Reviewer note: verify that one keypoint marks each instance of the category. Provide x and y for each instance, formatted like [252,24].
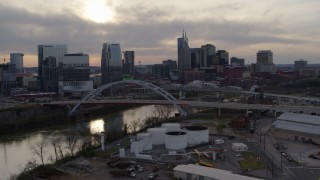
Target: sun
[98,11]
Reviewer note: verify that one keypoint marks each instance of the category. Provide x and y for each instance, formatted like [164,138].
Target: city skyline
[151,28]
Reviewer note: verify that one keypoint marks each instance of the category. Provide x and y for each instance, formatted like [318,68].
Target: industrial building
[191,171]
[171,136]
[298,127]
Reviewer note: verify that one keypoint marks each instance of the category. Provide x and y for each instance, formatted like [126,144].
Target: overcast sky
[290,28]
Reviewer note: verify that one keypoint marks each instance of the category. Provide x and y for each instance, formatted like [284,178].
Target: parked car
[284,154]
[140,169]
[239,155]
[132,174]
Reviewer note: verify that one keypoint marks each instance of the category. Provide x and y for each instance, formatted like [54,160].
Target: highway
[220,105]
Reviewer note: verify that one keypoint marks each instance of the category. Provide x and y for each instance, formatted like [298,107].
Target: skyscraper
[111,63]
[184,59]
[195,54]
[265,57]
[207,54]
[128,63]
[17,59]
[223,57]
[265,62]
[45,51]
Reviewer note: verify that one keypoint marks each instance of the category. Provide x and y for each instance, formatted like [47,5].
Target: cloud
[151,29]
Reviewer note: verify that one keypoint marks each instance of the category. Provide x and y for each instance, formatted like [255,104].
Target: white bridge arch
[147,85]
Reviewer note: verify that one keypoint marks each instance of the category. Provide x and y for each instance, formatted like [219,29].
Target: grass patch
[250,162]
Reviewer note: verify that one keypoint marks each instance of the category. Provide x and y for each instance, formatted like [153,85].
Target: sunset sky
[290,28]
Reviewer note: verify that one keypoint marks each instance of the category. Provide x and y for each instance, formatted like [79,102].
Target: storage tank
[176,140]
[122,153]
[135,147]
[197,134]
[171,126]
[146,141]
[157,135]
[140,146]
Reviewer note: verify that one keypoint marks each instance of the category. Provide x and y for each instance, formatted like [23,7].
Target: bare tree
[57,146]
[163,112]
[71,143]
[134,125]
[39,149]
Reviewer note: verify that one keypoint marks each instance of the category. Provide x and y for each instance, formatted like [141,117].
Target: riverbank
[32,117]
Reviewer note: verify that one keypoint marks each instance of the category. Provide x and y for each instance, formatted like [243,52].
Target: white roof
[238,144]
[300,118]
[298,127]
[211,172]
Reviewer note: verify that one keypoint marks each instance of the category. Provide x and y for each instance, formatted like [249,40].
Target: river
[15,150]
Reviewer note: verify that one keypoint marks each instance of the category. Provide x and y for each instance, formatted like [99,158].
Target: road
[221,105]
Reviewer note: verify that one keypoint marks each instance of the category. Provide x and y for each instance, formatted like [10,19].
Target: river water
[15,150]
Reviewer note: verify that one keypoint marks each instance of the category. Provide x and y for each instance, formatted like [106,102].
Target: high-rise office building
[265,62]
[7,77]
[223,57]
[237,62]
[111,63]
[128,63]
[17,59]
[45,51]
[195,55]
[301,64]
[265,57]
[184,59]
[50,74]
[207,54]
[74,75]
[168,66]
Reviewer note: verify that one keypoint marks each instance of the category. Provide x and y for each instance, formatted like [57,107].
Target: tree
[57,146]
[39,149]
[163,112]
[71,143]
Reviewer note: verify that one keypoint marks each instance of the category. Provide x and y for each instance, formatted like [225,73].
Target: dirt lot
[101,171]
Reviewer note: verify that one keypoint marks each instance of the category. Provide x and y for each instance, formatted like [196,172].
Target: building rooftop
[211,172]
[300,118]
[298,127]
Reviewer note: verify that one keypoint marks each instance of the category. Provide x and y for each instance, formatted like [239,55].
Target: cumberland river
[15,150]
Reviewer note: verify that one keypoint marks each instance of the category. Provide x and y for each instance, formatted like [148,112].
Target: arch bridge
[147,85]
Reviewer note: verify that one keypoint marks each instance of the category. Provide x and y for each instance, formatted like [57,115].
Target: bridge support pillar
[102,141]
[219,111]
[182,95]
[275,113]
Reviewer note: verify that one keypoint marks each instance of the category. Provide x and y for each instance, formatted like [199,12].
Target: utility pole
[139,67]
[281,161]
[264,142]
[272,167]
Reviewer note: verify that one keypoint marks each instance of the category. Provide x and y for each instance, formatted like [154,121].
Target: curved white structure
[171,126]
[147,85]
[176,140]
[197,134]
[146,141]
[157,135]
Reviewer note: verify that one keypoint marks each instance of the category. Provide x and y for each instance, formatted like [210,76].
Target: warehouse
[191,171]
[298,127]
